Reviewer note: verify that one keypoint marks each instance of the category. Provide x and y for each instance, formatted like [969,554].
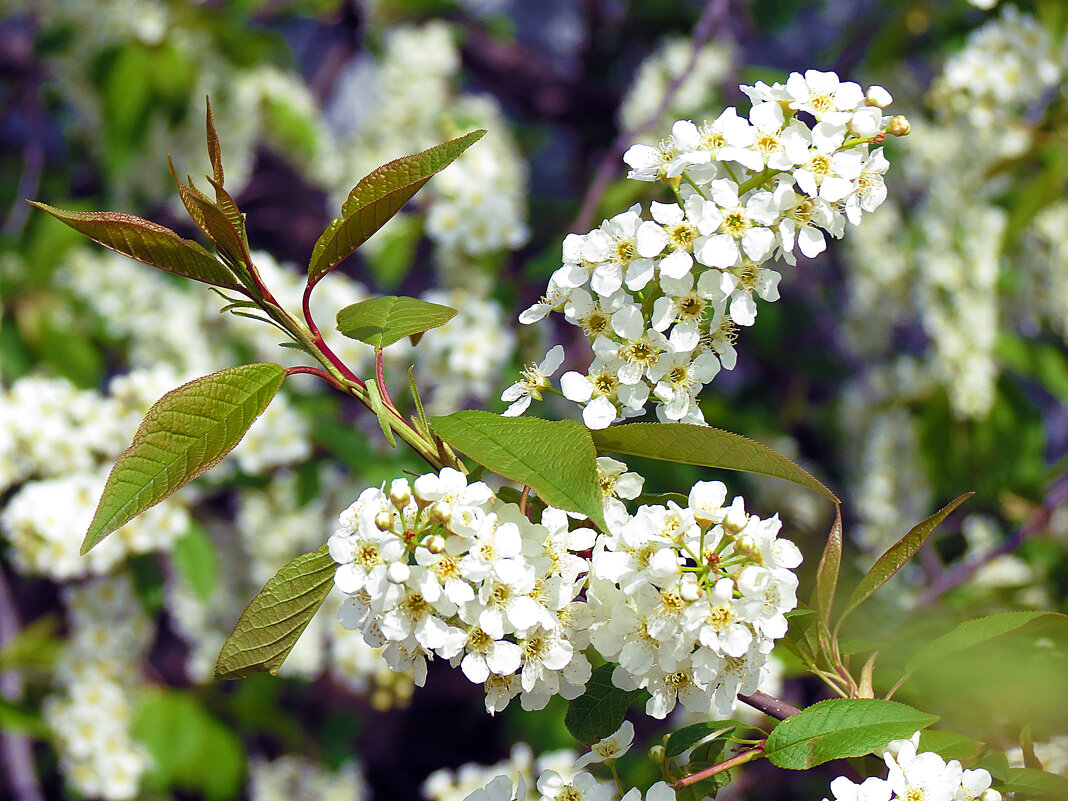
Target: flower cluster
[661,299]
[913,775]
[688,600]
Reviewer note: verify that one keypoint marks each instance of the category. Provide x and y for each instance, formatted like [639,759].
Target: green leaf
[981,630]
[554,458]
[34,649]
[197,561]
[187,432]
[995,763]
[827,574]
[385,320]
[1029,783]
[377,197]
[189,748]
[898,554]
[802,635]
[839,728]
[146,242]
[599,711]
[269,628]
[687,737]
[950,745]
[16,718]
[704,446]
[374,399]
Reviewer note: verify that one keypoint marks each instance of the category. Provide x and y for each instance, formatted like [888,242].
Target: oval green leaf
[273,622]
[898,554]
[383,321]
[554,458]
[599,711]
[1036,784]
[840,728]
[981,630]
[188,431]
[147,242]
[950,745]
[704,446]
[377,197]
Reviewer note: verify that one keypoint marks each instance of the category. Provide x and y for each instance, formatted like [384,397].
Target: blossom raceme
[687,599]
[661,299]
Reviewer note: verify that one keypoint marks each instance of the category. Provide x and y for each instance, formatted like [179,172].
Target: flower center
[736,223]
[624,251]
[767,143]
[677,681]
[642,352]
[682,236]
[479,642]
[820,166]
[821,103]
[604,382]
[691,307]
[597,322]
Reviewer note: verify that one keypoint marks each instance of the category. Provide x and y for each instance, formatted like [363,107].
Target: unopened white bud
[441,512]
[990,795]
[690,591]
[384,520]
[898,126]
[398,573]
[878,96]
[427,489]
[400,493]
[435,543]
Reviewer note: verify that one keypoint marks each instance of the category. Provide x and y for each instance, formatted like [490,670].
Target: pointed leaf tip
[185,433]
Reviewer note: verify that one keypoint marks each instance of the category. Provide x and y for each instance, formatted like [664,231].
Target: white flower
[871,789]
[500,788]
[535,379]
[824,96]
[613,746]
[581,787]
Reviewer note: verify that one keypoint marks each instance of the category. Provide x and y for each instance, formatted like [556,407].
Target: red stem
[316,371]
[733,762]
[381,379]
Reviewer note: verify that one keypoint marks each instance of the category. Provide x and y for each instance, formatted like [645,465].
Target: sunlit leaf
[981,630]
[899,554]
[271,625]
[377,197]
[382,321]
[188,431]
[704,446]
[555,458]
[147,242]
[839,728]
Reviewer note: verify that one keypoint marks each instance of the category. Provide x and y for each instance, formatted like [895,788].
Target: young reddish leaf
[701,445]
[271,624]
[383,321]
[228,207]
[827,574]
[221,230]
[898,554]
[147,242]
[377,197]
[214,148]
[187,432]
[187,193]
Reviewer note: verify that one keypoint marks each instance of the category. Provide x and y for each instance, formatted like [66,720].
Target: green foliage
[187,432]
[950,745]
[982,630]
[840,728]
[382,321]
[189,749]
[377,197]
[827,573]
[682,740]
[271,625]
[197,561]
[146,242]
[599,711]
[554,458]
[707,447]
[1031,783]
[898,555]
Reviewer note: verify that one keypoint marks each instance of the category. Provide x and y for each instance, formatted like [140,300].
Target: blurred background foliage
[925,358]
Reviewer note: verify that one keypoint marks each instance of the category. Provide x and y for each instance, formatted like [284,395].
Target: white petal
[599,413]
[651,239]
[576,387]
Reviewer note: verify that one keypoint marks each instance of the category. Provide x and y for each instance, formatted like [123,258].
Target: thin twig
[316,371]
[711,19]
[16,750]
[736,760]
[769,705]
[1056,496]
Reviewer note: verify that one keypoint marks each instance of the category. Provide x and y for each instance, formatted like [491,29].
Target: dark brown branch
[769,705]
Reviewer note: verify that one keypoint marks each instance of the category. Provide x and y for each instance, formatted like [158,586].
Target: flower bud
[440,512]
[899,125]
[435,543]
[384,520]
[398,573]
[656,755]
[400,493]
[690,591]
[878,96]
